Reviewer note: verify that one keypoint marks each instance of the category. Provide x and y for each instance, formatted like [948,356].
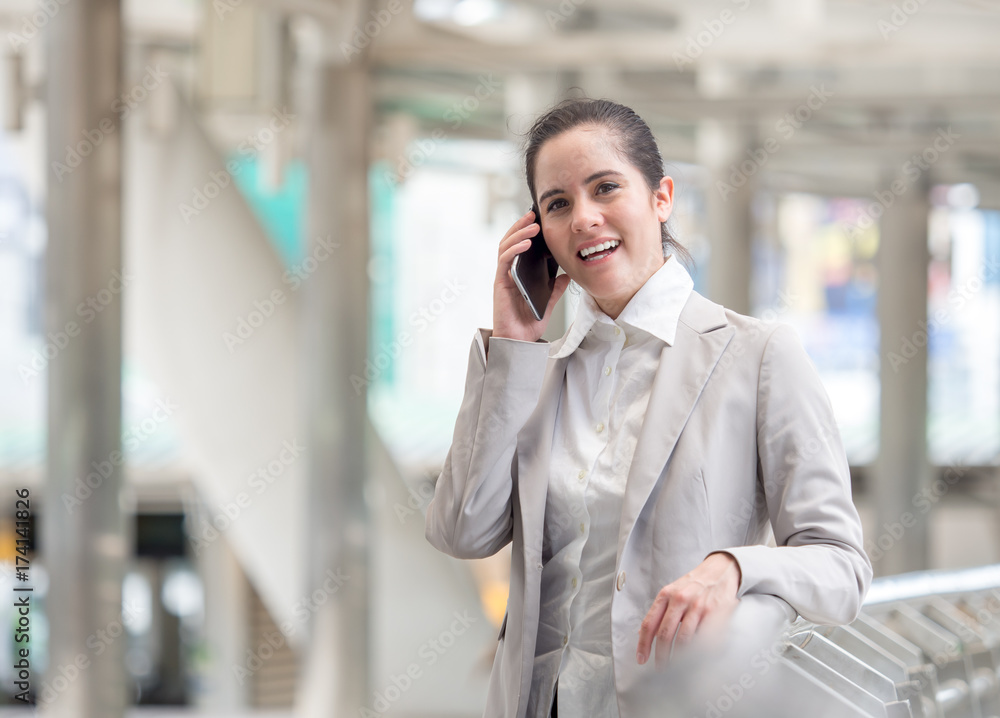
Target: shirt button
[607,371]
[565,640]
[574,583]
[581,474]
[621,580]
[617,331]
[583,527]
[600,427]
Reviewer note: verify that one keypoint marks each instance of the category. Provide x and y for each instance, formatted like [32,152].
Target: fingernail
[641,658]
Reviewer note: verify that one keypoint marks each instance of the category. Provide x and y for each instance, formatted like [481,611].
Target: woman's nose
[586,214]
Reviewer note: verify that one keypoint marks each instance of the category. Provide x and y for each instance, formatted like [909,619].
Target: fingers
[691,621]
[650,626]
[507,259]
[668,627]
[521,222]
[672,612]
[523,228]
[685,622]
[676,616]
[559,286]
[517,240]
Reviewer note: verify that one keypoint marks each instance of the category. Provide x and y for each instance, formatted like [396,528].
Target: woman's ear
[663,199]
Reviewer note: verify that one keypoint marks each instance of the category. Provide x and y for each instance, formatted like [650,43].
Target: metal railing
[926,645]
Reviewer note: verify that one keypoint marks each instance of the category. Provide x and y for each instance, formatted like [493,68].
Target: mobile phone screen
[533,271]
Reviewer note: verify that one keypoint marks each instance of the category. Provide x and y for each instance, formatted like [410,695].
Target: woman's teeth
[597,248]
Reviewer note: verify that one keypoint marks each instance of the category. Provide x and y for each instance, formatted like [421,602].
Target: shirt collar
[655,308]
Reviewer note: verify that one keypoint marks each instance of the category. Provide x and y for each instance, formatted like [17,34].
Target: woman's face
[588,195]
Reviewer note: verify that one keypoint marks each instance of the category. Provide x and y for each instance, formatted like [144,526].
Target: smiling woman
[676,433]
[592,197]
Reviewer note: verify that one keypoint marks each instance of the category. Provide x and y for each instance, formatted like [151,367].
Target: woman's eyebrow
[596,175]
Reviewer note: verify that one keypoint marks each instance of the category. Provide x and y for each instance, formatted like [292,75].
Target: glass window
[434,256]
[963,330]
[812,272]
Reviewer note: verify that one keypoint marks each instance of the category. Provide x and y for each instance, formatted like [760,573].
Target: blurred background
[245,246]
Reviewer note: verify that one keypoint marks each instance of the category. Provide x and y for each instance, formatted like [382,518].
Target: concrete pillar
[227,628]
[902,470]
[85,544]
[732,174]
[335,680]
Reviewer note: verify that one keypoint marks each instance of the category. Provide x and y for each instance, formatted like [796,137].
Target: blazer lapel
[534,449]
[702,336]
[535,440]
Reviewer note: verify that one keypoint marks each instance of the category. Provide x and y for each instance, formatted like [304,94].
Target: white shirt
[607,386]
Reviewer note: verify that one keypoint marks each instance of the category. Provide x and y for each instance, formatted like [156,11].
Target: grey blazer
[739,439]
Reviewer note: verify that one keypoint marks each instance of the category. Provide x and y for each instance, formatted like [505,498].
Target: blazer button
[621,580]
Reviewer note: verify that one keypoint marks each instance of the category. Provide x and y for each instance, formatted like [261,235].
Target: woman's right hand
[512,317]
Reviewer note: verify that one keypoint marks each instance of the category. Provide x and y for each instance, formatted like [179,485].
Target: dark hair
[635,143]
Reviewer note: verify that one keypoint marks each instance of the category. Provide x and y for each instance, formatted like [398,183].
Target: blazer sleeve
[470,514]
[819,565]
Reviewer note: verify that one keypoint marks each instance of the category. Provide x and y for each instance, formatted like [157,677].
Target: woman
[639,462]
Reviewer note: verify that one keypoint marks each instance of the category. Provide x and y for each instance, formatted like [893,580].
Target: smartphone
[533,271]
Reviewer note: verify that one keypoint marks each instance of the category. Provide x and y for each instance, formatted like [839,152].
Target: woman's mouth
[599,252]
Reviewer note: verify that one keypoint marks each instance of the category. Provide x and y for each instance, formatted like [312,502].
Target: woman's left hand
[707,592]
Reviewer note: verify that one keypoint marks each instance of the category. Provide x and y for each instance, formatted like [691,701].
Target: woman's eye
[558,203]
